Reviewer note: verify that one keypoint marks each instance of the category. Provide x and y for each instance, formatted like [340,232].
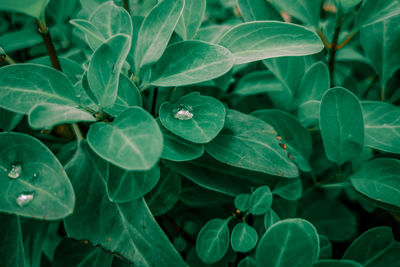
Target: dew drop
[183,112]
[35,175]
[15,170]
[24,198]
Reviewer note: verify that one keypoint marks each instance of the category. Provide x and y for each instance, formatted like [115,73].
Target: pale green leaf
[191,18]
[243,238]
[253,10]
[34,8]
[304,10]
[373,11]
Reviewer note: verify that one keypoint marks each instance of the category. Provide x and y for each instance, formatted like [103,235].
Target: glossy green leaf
[194,117]
[34,8]
[373,11]
[9,120]
[303,10]
[45,116]
[33,182]
[190,62]
[74,253]
[250,143]
[379,179]
[244,237]
[260,200]
[291,242]
[270,218]
[156,30]
[124,186]
[25,85]
[342,125]
[382,126]
[128,228]
[337,263]
[133,141]
[374,248]
[332,219]
[191,18]
[315,82]
[105,68]
[231,180]
[247,41]
[288,189]
[256,83]
[253,10]
[178,149]
[380,43]
[11,246]
[128,96]
[242,202]
[167,192]
[213,241]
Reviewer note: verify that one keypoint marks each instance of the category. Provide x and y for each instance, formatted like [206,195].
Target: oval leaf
[191,18]
[244,237]
[190,62]
[260,200]
[194,117]
[33,182]
[342,125]
[248,41]
[133,141]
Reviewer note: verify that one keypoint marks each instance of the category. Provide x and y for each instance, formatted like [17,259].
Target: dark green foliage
[200,133]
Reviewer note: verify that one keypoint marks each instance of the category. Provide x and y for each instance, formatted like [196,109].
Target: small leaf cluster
[200,133]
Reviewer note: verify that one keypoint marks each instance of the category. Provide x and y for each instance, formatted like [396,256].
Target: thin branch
[77,132]
[348,38]
[332,51]
[9,60]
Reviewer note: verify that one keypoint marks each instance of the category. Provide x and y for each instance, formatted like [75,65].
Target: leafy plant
[200,133]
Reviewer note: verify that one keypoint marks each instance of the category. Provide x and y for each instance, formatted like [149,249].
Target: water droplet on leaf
[24,198]
[15,170]
[183,112]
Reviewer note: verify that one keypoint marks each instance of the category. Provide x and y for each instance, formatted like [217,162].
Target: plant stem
[77,132]
[383,93]
[333,49]
[9,60]
[45,33]
[126,5]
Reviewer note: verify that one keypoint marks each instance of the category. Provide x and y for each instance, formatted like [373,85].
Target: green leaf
[247,41]
[124,186]
[33,182]
[315,82]
[178,149]
[166,194]
[382,126]
[11,246]
[244,237]
[257,82]
[156,30]
[9,120]
[93,35]
[308,113]
[337,263]
[250,143]
[74,253]
[242,202]
[46,116]
[133,141]
[105,68]
[213,241]
[231,180]
[194,117]
[379,179]
[253,10]
[373,11]
[291,242]
[34,8]
[332,219]
[290,189]
[344,6]
[260,200]
[127,228]
[190,62]
[380,43]
[109,20]
[191,18]
[374,248]
[128,96]
[303,10]
[270,218]
[212,33]
[325,247]
[342,125]
[25,85]
[247,262]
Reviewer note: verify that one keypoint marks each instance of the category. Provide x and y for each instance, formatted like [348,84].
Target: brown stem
[348,38]
[332,51]
[126,5]
[45,33]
